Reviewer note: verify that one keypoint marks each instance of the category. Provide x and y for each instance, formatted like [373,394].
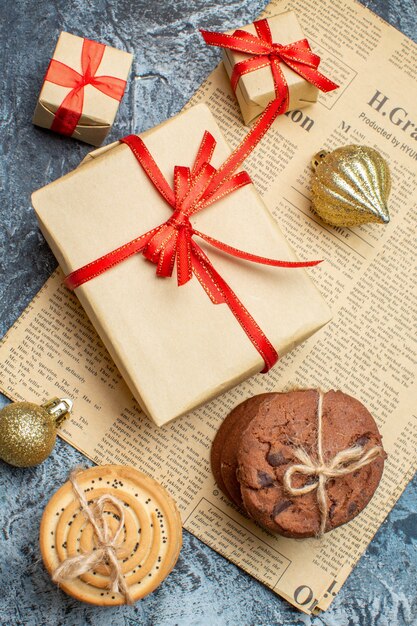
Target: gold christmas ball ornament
[28,431]
[350,186]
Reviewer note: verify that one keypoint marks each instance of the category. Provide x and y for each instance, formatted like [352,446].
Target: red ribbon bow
[298,56]
[70,110]
[194,190]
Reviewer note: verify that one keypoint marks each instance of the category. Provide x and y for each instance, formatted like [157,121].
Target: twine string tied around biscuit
[343,463]
[105,550]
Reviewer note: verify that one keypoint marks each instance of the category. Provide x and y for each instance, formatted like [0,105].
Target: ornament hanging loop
[317,158]
[58,408]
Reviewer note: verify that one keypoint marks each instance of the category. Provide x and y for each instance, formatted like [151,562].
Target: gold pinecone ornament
[28,431]
[350,186]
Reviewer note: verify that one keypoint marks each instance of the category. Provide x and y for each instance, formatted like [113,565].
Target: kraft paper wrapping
[256,89]
[175,349]
[99,110]
[52,348]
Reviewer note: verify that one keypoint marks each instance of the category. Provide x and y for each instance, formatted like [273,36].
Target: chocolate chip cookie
[226,444]
[286,423]
[266,436]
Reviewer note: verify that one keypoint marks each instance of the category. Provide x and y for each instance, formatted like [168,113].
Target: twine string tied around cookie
[343,463]
[105,551]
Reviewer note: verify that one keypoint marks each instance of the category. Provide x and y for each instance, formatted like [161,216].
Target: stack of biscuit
[260,440]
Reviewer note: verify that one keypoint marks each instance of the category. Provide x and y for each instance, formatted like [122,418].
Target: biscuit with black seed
[149,544]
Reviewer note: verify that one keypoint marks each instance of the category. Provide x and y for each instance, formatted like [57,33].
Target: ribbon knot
[276,50]
[70,110]
[106,549]
[180,220]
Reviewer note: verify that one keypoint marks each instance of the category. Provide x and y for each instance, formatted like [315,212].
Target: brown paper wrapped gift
[256,89]
[98,108]
[173,346]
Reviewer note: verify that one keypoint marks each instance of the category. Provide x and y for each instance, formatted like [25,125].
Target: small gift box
[175,349]
[82,89]
[270,59]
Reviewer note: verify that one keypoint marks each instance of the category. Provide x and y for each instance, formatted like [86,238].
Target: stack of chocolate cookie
[299,463]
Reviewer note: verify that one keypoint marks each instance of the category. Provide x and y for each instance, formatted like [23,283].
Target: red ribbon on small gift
[298,56]
[194,189]
[70,110]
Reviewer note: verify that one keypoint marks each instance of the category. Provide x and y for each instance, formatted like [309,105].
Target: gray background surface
[170,63]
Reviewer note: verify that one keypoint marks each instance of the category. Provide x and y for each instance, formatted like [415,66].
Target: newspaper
[369,350]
